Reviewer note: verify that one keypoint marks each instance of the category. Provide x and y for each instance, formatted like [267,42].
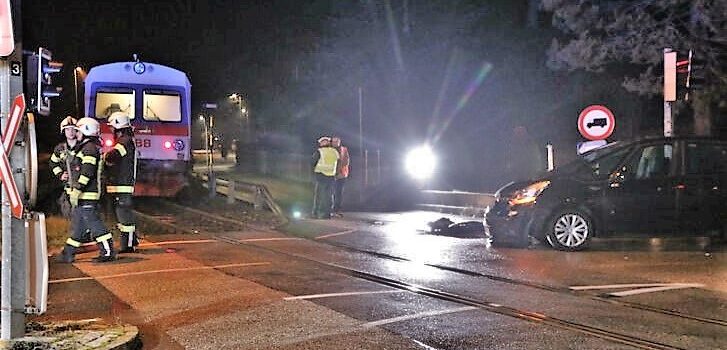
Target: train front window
[162,106]
[108,102]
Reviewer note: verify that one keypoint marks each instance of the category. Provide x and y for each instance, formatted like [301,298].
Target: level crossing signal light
[683,73]
[39,80]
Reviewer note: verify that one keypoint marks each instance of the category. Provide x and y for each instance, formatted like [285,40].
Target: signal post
[13,284]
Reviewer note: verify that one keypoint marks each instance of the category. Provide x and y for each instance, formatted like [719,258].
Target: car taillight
[167,144]
[109,142]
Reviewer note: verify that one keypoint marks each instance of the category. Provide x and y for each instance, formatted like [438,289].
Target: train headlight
[178,145]
[139,68]
[167,144]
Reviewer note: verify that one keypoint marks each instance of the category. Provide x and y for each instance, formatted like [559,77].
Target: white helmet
[68,122]
[119,120]
[88,126]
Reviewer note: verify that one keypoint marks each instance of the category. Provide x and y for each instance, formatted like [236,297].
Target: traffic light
[40,68]
[682,76]
[697,72]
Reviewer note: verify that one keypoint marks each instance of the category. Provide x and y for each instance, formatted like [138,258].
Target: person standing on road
[325,160]
[60,161]
[342,171]
[85,175]
[120,164]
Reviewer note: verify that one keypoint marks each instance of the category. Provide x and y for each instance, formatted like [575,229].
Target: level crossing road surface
[380,281]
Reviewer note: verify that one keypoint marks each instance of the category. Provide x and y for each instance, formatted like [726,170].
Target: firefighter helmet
[119,120]
[88,126]
[68,122]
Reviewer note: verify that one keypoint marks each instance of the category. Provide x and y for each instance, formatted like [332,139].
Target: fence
[256,194]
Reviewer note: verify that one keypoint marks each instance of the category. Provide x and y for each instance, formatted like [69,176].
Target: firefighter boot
[67,255]
[106,249]
[128,242]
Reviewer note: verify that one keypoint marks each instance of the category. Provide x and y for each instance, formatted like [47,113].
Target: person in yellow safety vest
[120,164]
[325,160]
[342,171]
[85,176]
[60,160]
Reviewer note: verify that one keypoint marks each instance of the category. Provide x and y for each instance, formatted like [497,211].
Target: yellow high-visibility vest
[327,162]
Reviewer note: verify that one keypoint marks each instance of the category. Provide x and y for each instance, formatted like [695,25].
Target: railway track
[195,221]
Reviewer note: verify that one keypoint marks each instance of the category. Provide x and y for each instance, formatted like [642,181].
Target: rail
[457,202]
[256,194]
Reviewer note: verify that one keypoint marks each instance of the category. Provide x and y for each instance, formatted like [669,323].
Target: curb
[83,334]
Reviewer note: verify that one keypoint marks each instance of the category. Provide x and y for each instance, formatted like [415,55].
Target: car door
[702,195]
[642,193]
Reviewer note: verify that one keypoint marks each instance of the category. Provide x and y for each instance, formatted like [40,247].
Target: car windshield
[596,153]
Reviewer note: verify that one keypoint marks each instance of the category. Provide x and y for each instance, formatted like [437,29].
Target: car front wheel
[570,230]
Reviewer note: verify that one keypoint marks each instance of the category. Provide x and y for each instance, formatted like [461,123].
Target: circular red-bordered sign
[596,122]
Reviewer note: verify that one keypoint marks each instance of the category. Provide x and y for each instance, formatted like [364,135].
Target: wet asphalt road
[363,282]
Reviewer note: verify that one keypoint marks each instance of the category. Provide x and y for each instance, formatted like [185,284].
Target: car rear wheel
[570,230]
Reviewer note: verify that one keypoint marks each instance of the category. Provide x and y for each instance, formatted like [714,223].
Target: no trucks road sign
[596,122]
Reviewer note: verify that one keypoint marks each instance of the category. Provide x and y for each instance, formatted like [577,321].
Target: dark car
[650,186]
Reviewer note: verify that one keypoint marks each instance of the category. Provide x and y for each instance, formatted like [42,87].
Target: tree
[629,37]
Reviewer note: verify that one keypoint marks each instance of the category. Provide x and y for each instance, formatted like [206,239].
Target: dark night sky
[300,63]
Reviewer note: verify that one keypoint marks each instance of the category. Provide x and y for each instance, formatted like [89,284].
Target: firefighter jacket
[121,165]
[344,163]
[326,161]
[61,158]
[86,169]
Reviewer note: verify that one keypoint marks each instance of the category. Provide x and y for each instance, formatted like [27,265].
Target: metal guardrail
[256,194]
[457,202]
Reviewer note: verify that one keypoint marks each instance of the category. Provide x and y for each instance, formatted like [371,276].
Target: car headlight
[528,194]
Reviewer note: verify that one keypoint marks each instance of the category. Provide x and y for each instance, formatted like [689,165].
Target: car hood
[577,169]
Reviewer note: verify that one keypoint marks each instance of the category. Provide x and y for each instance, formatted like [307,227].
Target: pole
[75,90]
[551,162]
[13,276]
[360,138]
[668,123]
[670,89]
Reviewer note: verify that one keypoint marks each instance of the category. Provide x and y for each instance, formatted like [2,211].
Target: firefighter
[342,172]
[325,160]
[121,174]
[60,161]
[85,175]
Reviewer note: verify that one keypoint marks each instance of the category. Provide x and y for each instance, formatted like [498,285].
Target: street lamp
[240,102]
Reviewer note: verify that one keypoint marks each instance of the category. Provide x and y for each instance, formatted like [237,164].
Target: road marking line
[178,242]
[335,234]
[641,288]
[269,239]
[655,289]
[634,285]
[415,316]
[183,269]
[332,295]
[425,346]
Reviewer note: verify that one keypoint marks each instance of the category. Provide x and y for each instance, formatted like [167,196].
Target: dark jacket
[86,169]
[121,165]
[58,158]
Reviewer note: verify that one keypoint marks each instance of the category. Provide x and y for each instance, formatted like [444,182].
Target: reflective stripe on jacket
[121,165]
[327,161]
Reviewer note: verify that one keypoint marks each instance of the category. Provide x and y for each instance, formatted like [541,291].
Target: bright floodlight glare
[297,214]
[420,162]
